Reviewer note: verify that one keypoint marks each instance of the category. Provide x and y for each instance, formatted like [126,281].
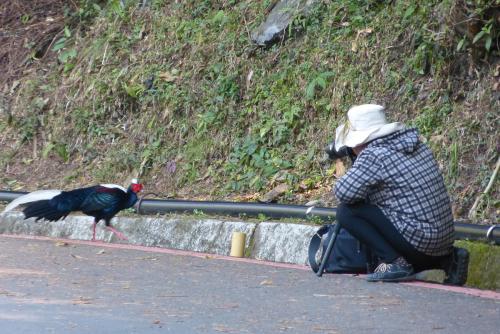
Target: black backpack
[348,255]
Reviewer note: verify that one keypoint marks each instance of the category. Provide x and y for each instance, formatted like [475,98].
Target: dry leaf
[167,76]
[366,31]
[497,71]
[438,139]
[228,306]
[249,197]
[325,329]
[166,113]
[148,258]
[354,46]
[224,329]
[61,244]
[249,79]
[266,282]
[362,33]
[15,84]
[82,300]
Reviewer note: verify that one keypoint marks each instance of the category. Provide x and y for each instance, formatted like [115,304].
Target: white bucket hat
[365,123]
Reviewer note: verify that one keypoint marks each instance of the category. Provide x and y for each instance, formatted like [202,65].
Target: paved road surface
[54,287]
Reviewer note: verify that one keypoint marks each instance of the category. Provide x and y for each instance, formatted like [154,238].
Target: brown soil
[28,29]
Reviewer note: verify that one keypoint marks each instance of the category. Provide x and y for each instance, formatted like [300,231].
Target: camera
[333,154]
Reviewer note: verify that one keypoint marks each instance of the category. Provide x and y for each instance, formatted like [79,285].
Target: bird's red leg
[118,234]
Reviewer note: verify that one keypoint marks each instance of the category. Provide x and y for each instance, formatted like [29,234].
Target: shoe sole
[394,280]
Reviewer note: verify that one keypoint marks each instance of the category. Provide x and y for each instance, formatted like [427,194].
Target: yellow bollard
[238,244]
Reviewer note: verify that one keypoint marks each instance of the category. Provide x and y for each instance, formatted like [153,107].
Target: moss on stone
[484,265]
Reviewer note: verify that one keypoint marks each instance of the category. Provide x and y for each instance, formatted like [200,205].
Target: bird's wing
[103,198]
[32,197]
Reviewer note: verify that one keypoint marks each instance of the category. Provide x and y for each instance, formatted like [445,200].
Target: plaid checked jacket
[399,174]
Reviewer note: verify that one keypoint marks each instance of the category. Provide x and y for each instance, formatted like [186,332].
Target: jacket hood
[405,141]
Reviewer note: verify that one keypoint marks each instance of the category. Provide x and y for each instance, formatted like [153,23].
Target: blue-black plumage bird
[103,201]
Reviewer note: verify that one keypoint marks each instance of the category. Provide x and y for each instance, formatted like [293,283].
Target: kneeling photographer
[393,198]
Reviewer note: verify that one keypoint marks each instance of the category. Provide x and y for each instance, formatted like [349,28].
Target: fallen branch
[472,212]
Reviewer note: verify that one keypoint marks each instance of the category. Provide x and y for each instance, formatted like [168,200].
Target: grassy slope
[224,118]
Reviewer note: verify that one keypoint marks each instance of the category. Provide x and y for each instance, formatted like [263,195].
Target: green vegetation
[484,266]
[130,92]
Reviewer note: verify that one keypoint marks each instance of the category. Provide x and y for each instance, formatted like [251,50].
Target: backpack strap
[314,245]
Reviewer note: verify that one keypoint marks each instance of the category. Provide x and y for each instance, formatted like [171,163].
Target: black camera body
[333,154]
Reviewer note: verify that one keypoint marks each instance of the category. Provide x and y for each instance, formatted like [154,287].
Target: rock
[279,18]
[282,242]
[316,202]
[272,195]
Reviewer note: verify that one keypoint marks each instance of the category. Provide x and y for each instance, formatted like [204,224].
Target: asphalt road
[57,287]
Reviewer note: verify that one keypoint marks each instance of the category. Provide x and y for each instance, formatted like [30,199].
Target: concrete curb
[277,242]
[285,243]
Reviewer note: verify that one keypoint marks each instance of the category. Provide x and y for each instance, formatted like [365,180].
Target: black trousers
[368,224]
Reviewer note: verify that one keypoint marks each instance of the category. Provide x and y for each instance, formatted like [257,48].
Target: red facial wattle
[137,187]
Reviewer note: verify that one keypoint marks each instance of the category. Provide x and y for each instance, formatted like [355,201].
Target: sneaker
[397,271]
[457,267]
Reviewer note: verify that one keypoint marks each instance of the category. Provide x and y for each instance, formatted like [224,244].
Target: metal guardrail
[272,210]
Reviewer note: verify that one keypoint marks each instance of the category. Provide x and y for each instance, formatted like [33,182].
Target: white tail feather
[32,197]
[109,185]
